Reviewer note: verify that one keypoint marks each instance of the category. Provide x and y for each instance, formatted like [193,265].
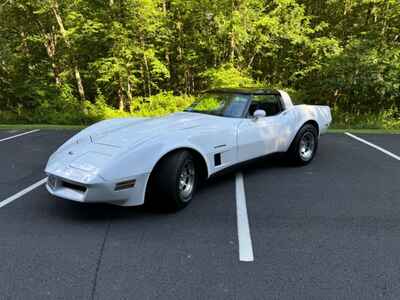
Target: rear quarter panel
[320,114]
[301,114]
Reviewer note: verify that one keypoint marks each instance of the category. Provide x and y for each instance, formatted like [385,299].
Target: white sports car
[125,161]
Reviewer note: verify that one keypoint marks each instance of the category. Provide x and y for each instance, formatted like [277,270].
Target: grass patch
[79,127]
[40,126]
[366,131]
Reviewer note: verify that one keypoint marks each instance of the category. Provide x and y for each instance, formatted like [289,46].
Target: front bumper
[104,191]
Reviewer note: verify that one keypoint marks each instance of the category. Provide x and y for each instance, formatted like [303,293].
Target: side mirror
[259,113]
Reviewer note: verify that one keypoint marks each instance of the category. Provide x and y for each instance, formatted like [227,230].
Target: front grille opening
[73,186]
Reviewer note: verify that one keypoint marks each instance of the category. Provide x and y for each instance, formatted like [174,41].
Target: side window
[270,103]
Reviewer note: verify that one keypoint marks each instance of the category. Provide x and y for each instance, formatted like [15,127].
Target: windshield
[220,104]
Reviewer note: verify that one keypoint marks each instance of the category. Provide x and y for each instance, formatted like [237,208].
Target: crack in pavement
[99,260]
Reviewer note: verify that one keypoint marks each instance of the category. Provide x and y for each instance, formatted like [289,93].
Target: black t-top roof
[247,91]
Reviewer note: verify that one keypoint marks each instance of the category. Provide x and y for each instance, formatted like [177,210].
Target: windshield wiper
[196,111]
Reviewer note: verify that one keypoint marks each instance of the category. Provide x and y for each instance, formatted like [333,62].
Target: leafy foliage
[75,61]
[227,76]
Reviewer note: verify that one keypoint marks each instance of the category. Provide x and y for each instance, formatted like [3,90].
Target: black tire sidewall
[294,152]
[164,186]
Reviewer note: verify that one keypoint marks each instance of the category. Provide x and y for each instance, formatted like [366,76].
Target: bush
[360,80]
[389,119]
[67,110]
[160,104]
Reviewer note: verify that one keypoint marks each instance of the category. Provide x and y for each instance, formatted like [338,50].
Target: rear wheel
[304,145]
[174,181]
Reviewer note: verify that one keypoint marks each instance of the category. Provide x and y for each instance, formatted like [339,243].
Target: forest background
[80,61]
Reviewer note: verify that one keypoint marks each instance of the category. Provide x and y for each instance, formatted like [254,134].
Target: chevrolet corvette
[162,160]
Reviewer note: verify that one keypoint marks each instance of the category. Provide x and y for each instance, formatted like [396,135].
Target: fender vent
[217,159]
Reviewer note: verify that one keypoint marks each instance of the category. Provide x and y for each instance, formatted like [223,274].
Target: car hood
[138,131]
[91,153]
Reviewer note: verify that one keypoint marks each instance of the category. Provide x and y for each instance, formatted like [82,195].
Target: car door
[265,135]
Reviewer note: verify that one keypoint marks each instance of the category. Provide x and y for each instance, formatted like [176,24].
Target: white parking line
[373,146]
[245,245]
[18,135]
[23,192]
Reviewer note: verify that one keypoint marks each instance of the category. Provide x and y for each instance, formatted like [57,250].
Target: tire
[304,146]
[174,182]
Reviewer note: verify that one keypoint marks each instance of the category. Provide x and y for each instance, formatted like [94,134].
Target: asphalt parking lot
[330,230]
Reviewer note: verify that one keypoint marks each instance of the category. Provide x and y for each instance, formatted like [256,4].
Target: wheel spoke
[187,179]
[306,146]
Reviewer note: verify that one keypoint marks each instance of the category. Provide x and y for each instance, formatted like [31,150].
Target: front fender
[142,160]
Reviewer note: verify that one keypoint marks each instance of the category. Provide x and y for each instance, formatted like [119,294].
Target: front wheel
[174,181]
[304,145]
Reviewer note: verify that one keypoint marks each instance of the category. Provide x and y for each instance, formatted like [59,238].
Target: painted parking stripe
[23,192]
[18,135]
[373,146]
[244,237]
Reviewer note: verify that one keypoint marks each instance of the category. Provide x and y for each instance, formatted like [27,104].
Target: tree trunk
[120,94]
[130,98]
[148,78]
[146,66]
[24,43]
[232,48]
[143,79]
[79,82]
[232,43]
[50,45]
[57,15]
[167,58]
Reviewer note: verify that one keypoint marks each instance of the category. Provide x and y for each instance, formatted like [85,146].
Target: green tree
[90,59]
